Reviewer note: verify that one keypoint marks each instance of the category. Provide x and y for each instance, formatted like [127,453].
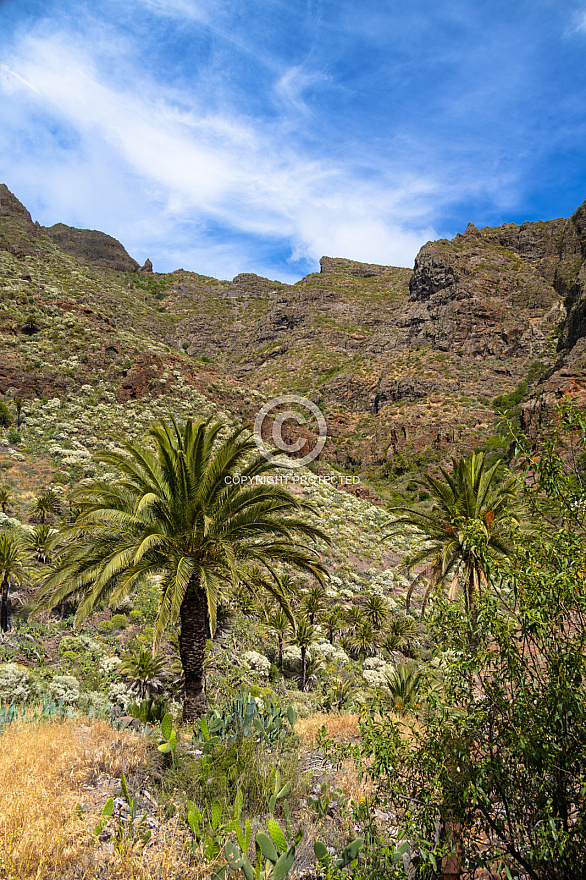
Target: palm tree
[279,623]
[404,683]
[5,497]
[377,611]
[363,639]
[313,602]
[46,503]
[13,568]
[402,632]
[192,512]
[305,636]
[471,521]
[143,668]
[41,543]
[333,621]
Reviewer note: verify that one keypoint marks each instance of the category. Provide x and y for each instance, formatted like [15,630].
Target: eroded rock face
[92,246]
[18,233]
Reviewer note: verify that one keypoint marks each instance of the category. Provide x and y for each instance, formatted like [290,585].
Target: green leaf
[277,835]
[125,791]
[320,850]
[167,726]
[349,853]
[173,740]
[247,834]
[267,847]
[284,864]
[216,814]
[108,808]
[238,803]
[285,790]
[291,715]
[233,857]
[203,726]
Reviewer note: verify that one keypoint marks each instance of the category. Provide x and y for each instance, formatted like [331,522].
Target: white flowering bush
[16,683]
[257,663]
[375,671]
[65,688]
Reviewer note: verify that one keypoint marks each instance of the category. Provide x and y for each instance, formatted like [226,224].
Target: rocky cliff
[405,364]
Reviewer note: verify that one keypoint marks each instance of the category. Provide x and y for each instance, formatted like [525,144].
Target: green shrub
[119,621]
[135,615]
[5,417]
[106,626]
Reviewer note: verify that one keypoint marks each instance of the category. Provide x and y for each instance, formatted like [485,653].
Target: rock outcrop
[91,246]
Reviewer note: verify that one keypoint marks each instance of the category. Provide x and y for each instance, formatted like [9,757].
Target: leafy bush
[64,688]
[119,621]
[5,417]
[15,683]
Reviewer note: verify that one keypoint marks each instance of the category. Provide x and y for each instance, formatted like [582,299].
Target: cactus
[273,848]
[346,857]
[168,739]
[125,833]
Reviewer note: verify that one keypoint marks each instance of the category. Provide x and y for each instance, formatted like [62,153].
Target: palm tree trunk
[4,608]
[192,645]
[303,666]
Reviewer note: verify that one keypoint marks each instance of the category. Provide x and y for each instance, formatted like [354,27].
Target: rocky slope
[405,365]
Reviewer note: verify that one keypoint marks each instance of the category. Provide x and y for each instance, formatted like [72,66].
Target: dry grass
[341,728]
[42,770]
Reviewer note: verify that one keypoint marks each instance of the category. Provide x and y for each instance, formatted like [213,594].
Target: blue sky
[229,136]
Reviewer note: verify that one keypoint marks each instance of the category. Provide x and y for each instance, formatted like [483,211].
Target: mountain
[404,364]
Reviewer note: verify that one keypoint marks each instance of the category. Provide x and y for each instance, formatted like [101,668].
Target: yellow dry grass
[341,728]
[43,767]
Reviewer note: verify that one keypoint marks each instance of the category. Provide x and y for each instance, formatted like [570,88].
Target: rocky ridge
[404,364]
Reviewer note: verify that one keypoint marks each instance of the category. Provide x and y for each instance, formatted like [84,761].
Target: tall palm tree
[13,568]
[192,512]
[471,521]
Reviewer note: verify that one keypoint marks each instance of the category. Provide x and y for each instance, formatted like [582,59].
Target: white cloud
[158,162]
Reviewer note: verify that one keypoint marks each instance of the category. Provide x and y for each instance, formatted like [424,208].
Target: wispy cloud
[263,135]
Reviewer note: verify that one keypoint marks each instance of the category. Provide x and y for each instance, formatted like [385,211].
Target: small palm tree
[353,616]
[363,639]
[401,634]
[47,503]
[143,668]
[471,521]
[278,623]
[13,568]
[305,635]
[333,622]
[41,543]
[313,602]
[5,497]
[192,512]
[377,611]
[404,685]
